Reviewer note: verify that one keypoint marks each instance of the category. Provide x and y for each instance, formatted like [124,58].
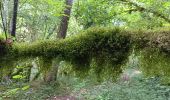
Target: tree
[65,20]
[14,19]
[4,15]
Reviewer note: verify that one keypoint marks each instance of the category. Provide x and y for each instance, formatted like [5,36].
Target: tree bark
[14,19]
[65,20]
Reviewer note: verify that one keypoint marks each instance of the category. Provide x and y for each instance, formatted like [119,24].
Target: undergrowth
[138,89]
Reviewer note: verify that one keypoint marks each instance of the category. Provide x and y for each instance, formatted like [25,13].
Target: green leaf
[167,4]
[13,91]
[17,77]
[26,87]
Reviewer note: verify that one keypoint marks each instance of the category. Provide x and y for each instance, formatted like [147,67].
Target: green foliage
[122,13]
[38,20]
[13,91]
[18,78]
[144,89]
[93,13]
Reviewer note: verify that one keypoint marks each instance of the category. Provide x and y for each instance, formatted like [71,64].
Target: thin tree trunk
[5,13]
[3,25]
[65,20]
[3,9]
[14,19]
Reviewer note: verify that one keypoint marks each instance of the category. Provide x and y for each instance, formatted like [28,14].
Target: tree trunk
[14,19]
[65,20]
[52,74]
[4,15]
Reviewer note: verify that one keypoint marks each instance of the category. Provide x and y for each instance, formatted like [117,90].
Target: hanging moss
[155,63]
[45,63]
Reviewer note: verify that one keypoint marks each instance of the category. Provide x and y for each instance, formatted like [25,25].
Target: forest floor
[130,86]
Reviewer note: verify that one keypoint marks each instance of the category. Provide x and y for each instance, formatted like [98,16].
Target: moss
[108,47]
[83,46]
[45,64]
[155,63]
[159,39]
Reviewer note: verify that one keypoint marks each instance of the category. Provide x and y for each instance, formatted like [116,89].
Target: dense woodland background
[41,19]
[84,49]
